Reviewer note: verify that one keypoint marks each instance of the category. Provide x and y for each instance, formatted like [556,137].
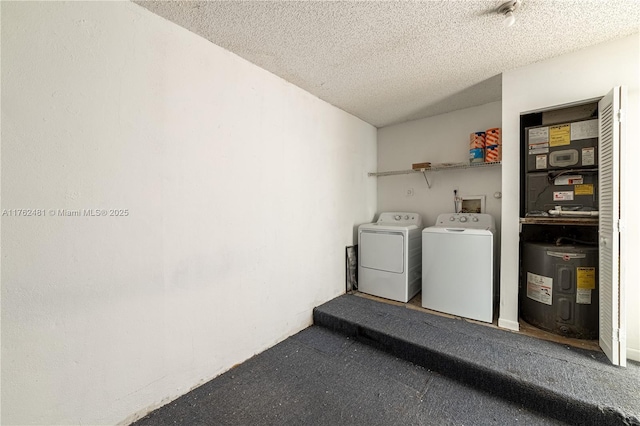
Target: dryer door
[383,251]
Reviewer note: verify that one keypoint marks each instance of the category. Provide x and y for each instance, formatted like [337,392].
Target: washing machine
[458,269]
[389,256]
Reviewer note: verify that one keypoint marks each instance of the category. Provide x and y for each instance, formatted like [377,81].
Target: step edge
[565,408]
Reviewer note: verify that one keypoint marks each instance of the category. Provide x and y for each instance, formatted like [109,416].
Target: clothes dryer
[389,256]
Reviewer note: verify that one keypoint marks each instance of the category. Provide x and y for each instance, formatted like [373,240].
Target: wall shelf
[438,167]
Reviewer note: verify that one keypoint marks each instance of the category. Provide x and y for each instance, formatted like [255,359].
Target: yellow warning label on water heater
[584,189]
[560,135]
[586,278]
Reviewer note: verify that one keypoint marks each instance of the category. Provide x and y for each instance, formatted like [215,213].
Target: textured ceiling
[388,62]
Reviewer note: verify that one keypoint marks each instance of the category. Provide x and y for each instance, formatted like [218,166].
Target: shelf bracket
[425,178]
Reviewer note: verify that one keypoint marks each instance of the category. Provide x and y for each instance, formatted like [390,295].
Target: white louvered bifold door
[612,318]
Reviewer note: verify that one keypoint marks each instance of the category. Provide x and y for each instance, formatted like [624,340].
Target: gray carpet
[318,377]
[573,385]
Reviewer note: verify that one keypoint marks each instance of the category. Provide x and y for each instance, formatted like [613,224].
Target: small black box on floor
[352,268]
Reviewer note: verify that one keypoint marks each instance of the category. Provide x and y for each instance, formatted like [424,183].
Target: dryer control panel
[465,220]
[399,219]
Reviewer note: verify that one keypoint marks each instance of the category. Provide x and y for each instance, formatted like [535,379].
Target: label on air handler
[588,156]
[539,142]
[560,135]
[563,196]
[584,130]
[586,189]
[539,135]
[539,288]
[541,161]
[569,180]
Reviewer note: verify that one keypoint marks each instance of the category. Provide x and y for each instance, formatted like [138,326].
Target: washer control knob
[463,219]
[452,218]
[397,217]
[475,219]
[406,217]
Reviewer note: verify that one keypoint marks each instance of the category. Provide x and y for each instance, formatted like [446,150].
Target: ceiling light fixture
[507,9]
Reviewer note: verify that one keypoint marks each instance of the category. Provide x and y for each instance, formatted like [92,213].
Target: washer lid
[456,231]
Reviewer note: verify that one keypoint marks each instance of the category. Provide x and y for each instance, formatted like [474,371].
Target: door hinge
[621,225]
[615,335]
[620,115]
[622,336]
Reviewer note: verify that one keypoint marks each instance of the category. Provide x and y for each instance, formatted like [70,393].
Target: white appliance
[389,256]
[458,271]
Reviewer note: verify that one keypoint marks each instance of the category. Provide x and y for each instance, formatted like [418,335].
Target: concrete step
[572,385]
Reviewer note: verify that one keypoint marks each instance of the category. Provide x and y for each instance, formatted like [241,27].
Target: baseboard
[508,324]
[633,354]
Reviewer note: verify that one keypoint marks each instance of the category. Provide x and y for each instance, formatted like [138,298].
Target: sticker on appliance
[538,148]
[585,281]
[584,130]
[569,180]
[560,135]
[586,277]
[563,196]
[541,161]
[586,189]
[588,156]
[538,135]
[540,288]
[583,296]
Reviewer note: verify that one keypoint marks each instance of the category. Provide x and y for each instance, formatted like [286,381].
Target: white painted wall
[581,75]
[242,191]
[439,139]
